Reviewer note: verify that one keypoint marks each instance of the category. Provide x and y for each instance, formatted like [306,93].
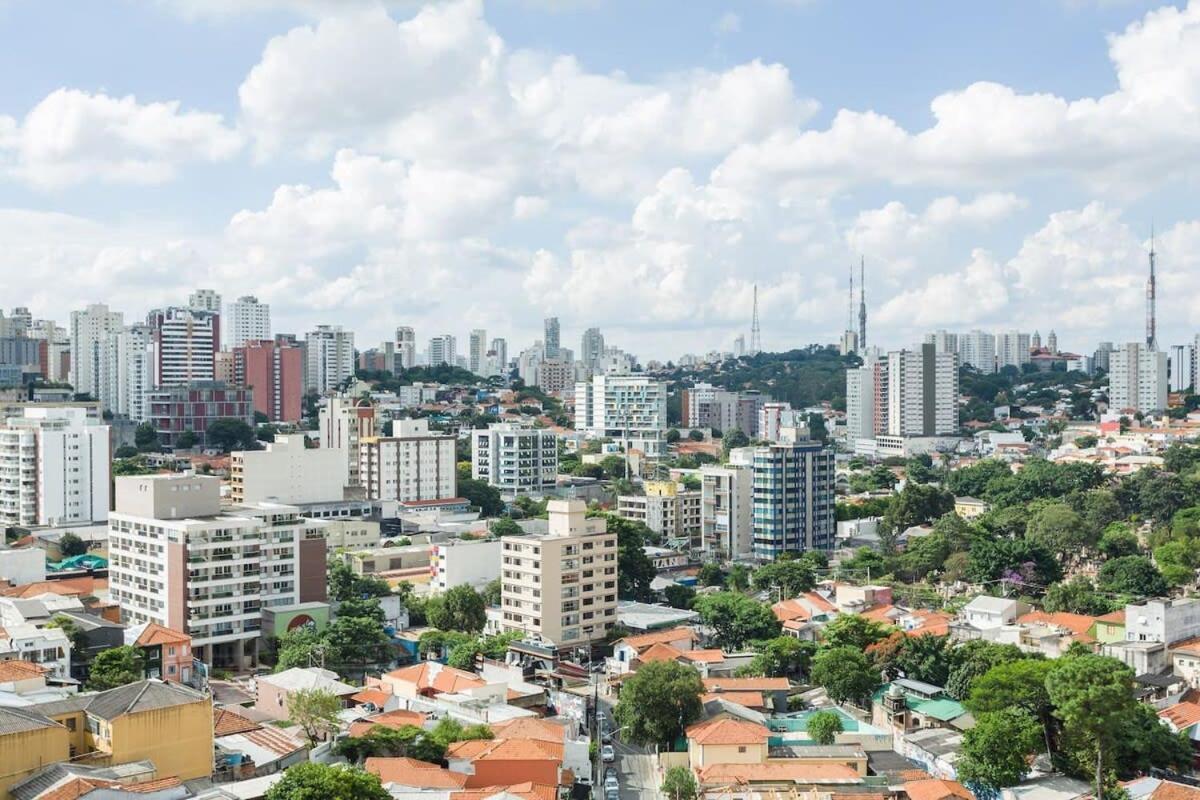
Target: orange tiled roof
[787,610]
[644,640]
[377,696]
[506,750]
[778,771]
[68,587]
[411,772]
[1077,624]
[160,634]
[746,684]
[227,723]
[727,731]
[530,728]
[527,790]
[389,719]
[747,699]
[659,652]
[77,787]
[935,789]
[1113,617]
[933,623]
[20,670]
[705,656]
[154,785]
[879,614]
[1181,715]
[441,679]
[1188,646]
[1169,790]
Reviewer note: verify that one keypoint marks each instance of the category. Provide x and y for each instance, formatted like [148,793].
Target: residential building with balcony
[726,506]
[343,423]
[515,459]
[665,508]
[630,409]
[195,406]
[793,506]
[178,559]
[413,463]
[287,471]
[561,587]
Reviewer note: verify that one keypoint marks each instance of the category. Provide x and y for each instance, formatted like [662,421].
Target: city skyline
[592,183]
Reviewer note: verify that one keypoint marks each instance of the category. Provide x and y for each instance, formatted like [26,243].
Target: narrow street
[636,766]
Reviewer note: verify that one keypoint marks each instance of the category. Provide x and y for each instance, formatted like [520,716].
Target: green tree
[736,619]
[1134,575]
[781,657]
[115,667]
[358,642]
[824,726]
[459,609]
[635,571]
[315,711]
[314,781]
[974,658]
[1076,596]
[792,577]
[125,451]
[300,647]
[679,783]
[367,609]
[613,466]
[1178,560]
[1100,509]
[505,526]
[995,753]
[1092,695]
[145,437]
[1013,684]
[1118,540]
[1056,527]
[70,544]
[925,658]
[379,742]
[187,440]
[672,436]
[854,630]
[732,440]
[710,574]
[916,504]
[230,433]
[695,436]
[491,593]
[845,673]
[679,596]
[659,702]
[738,579]
[482,496]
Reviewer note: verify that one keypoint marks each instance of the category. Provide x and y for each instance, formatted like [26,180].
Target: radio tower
[862,305]
[755,332]
[1151,323]
[850,304]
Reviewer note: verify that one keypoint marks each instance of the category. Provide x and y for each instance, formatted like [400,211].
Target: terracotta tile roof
[1187,646]
[787,610]
[68,587]
[644,640]
[747,699]
[526,790]
[20,670]
[159,634]
[1077,624]
[659,652]
[1169,790]
[746,684]
[530,728]
[935,789]
[705,656]
[1181,715]
[819,602]
[778,771]
[1115,617]
[880,614]
[506,750]
[418,774]
[276,740]
[907,775]
[227,723]
[727,731]
[933,623]
[389,719]
[75,788]
[154,785]
[441,679]
[377,696]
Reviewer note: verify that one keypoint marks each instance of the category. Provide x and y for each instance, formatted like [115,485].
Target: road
[636,767]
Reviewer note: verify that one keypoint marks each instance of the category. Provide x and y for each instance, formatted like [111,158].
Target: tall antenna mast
[755,332]
[1151,322]
[850,303]
[862,305]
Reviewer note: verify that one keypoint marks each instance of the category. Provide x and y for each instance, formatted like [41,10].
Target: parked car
[611,784]
[608,754]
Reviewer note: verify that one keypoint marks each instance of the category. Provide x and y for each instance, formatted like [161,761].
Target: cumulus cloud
[73,136]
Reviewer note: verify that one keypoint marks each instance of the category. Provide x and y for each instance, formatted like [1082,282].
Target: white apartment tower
[561,587]
[1137,379]
[922,392]
[248,321]
[478,351]
[135,372]
[977,349]
[93,359]
[591,348]
[406,347]
[205,300]
[442,350]
[1012,349]
[943,341]
[498,356]
[412,464]
[343,423]
[726,506]
[629,408]
[184,341]
[514,459]
[54,468]
[330,353]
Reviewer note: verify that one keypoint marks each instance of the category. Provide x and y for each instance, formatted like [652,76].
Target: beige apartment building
[561,587]
[669,511]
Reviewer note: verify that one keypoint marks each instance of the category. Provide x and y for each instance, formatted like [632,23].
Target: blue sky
[637,166]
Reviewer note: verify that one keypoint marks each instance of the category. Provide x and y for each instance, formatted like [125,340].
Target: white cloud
[73,136]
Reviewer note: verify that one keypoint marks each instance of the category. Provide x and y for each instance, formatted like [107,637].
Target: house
[1160,789]
[1151,629]
[936,789]
[626,651]
[274,690]
[166,653]
[1110,627]
[29,740]
[707,662]
[970,507]
[906,705]
[763,780]
[253,750]
[1051,634]
[50,647]
[495,762]
[388,719]
[1185,661]
[770,693]
[985,616]
[792,731]
[726,741]
[428,679]
[804,615]
[410,773]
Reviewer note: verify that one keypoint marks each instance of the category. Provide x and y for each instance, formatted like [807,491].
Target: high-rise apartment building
[793,498]
[1012,349]
[477,351]
[135,371]
[413,463]
[627,408]
[554,375]
[553,340]
[1180,360]
[173,410]
[178,559]
[406,347]
[1052,343]
[561,587]
[54,346]
[1137,380]
[673,513]
[205,300]
[922,392]
[184,342]
[514,459]
[275,371]
[591,348]
[330,358]
[442,350]
[93,358]
[866,400]
[943,341]
[344,423]
[775,417]
[498,357]
[287,471]
[977,349]
[727,506]
[54,468]
[248,321]
[1103,355]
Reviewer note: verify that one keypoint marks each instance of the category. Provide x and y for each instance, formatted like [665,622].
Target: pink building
[167,653]
[275,371]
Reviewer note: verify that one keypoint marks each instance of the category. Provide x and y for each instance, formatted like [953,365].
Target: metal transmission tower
[755,331]
[862,305]
[1151,322]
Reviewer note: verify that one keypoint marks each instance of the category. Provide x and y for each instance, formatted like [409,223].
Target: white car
[608,754]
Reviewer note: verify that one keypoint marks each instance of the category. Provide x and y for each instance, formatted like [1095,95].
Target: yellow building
[166,724]
[726,741]
[969,507]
